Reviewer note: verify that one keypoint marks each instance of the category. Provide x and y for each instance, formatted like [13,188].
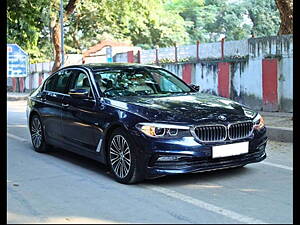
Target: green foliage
[209,20]
[27,27]
[264,16]
[144,23]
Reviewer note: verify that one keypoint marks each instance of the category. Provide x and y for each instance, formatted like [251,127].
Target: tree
[189,10]
[208,20]
[263,15]
[28,26]
[144,23]
[56,29]
[36,28]
[285,8]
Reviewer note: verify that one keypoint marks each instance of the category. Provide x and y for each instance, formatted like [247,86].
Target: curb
[280,134]
[16,98]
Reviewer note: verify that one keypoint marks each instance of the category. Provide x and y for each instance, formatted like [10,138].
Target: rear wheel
[122,158]
[37,135]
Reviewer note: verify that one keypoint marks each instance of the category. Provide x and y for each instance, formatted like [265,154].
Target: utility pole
[62,32]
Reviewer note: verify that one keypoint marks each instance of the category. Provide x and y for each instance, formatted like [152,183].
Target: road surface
[62,187]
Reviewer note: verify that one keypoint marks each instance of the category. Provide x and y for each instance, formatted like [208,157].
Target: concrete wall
[241,75]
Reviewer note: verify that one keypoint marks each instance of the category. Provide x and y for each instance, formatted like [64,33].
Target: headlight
[249,112]
[163,130]
[259,122]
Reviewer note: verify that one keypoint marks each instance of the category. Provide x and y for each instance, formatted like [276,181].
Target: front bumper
[191,156]
[201,164]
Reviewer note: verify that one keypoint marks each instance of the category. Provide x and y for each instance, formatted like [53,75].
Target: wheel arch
[31,114]
[107,136]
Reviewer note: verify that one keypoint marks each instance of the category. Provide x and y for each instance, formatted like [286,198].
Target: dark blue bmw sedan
[142,121]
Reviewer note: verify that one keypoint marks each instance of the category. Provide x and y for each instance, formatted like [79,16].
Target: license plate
[230,149]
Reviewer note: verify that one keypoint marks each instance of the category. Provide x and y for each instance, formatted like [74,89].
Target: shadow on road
[79,161]
[178,179]
[192,178]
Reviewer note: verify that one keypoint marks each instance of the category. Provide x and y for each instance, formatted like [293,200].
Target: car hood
[195,108]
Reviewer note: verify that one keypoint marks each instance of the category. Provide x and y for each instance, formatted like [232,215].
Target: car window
[51,83]
[62,81]
[166,83]
[82,82]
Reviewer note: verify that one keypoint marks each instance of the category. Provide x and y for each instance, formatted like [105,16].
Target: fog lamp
[169,158]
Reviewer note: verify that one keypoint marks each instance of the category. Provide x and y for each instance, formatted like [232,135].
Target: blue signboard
[17,61]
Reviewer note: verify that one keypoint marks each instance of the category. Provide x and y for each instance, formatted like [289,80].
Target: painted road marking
[17,137]
[17,125]
[204,205]
[278,165]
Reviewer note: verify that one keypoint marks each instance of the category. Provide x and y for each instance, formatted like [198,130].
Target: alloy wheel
[120,156]
[36,132]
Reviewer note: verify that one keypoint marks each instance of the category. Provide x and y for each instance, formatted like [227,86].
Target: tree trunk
[57,46]
[56,29]
[285,8]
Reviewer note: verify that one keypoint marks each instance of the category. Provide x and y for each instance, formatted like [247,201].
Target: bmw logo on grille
[221,117]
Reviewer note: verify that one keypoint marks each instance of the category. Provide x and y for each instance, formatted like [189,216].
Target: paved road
[61,187]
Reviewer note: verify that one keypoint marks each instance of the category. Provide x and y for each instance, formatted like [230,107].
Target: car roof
[103,66]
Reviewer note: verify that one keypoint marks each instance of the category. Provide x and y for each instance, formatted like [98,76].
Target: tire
[37,135]
[122,158]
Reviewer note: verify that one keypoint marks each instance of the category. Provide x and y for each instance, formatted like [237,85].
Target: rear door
[79,116]
[51,97]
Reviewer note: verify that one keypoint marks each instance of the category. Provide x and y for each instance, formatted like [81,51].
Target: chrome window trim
[54,92]
[98,149]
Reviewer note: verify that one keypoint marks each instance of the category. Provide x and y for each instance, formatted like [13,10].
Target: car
[142,121]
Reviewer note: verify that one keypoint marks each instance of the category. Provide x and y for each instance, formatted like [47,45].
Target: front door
[79,116]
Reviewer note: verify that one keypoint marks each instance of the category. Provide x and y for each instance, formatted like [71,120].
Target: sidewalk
[279,124]
[14,96]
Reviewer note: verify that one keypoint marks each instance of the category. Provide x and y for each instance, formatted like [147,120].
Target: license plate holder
[230,149]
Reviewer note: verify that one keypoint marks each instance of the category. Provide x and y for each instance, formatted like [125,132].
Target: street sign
[17,61]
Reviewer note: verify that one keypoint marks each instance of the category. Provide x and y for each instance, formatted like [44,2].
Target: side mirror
[79,93]
[196,88]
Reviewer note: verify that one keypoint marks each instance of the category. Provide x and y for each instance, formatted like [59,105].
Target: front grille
[211,133]
[219,132]
[240,130]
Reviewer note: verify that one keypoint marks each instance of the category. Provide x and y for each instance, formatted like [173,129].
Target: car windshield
[132,82]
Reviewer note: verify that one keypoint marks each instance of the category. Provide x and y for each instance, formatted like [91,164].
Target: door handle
[65,105]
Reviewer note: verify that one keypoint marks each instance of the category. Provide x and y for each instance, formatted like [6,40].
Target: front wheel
[122,158]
